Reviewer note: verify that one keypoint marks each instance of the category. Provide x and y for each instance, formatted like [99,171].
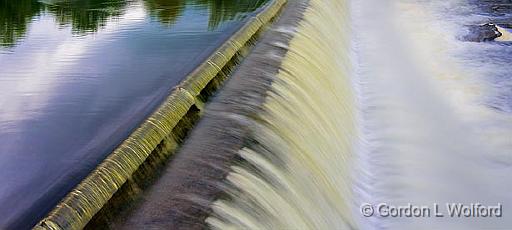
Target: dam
[275,114]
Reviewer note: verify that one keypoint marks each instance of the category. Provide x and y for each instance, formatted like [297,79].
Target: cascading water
[413,123]
[298,171]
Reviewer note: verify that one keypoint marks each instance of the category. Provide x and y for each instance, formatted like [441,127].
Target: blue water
[76,77]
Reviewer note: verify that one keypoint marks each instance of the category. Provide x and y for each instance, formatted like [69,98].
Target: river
[76,78]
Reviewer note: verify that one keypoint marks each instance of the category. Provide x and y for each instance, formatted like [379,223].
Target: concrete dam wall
[116,180]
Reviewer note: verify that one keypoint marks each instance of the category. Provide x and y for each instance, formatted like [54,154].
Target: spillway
[273,149]
[296,173]
[342,104]
[334,112]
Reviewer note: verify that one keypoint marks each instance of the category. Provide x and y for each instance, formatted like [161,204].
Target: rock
[482,33]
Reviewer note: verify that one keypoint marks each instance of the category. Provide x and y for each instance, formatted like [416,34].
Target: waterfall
[373,103]
[340,104]
[297,170]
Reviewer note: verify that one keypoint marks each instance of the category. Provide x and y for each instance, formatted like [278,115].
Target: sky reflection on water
[76,77]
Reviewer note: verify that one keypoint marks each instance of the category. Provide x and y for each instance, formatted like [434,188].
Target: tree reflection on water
[14,18]
[86,16]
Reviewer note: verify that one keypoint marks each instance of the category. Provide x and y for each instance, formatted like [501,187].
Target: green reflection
[83,15]
[86,15]
[219,11]
[90,15]
[224,10]
[14,19]
[166,11]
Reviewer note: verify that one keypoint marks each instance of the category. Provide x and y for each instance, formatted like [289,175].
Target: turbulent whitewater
[377,102]
[429,131]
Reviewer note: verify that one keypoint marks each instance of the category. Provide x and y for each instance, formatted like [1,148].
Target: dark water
[489,61]
[77,76]
[496,56]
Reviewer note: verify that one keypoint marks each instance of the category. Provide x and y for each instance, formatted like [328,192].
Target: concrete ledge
[196,174]
[88,197]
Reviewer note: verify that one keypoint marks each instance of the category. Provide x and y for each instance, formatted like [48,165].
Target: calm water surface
[76,77]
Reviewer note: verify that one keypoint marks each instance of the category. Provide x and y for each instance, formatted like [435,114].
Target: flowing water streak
[297,174]
[427,137]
